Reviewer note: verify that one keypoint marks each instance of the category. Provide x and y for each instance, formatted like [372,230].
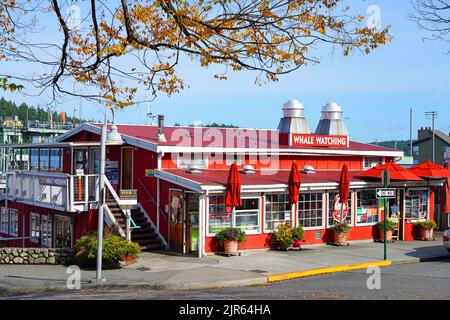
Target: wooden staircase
[146,236]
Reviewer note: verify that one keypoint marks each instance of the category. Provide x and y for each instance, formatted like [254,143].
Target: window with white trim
[278,210]
[370,162]
[416,204]
[367,207]
[218,219]
[246,216]
[4,227]
[35,227]
[13,222]
[334,209]
[46,230]
[184,160]
[310,210]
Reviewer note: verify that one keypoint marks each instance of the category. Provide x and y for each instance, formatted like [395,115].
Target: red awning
[396,172]
[233,193]
[430,170]
[294,183]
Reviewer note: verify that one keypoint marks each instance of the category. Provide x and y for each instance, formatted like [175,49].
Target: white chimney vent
[293,120]
[331,121]
[248,169]
[194,168]
[308,170]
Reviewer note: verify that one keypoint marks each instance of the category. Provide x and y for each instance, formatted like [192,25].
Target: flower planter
[388,235]
[426,234]
[297,243]
[230,246]
[340,239]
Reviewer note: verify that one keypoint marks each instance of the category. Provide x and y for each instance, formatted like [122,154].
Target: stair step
[144,236]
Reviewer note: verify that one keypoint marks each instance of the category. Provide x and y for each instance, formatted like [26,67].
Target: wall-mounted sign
[339,208]
[128,194]
[299,140]
[149,172]
[112,171]
[53,181]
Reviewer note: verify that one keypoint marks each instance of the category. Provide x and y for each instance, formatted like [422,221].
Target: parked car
[446,239]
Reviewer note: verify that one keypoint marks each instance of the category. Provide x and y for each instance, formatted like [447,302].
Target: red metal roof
[219,177]
[233,138]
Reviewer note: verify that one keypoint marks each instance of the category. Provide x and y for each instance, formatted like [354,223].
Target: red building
[179,174]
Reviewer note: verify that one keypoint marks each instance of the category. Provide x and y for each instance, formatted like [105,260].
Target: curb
[418,260]
[315,272]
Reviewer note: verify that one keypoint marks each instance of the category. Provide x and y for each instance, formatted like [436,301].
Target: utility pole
[433,115]
[410,132]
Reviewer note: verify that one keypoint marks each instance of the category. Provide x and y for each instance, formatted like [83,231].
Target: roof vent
[194,169]
[248,169]
[331,122]
[293,120]
[308,170]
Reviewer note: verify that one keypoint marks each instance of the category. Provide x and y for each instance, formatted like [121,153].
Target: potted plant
[297,234]
[341,231]
[230,239]
[426,229]
[389,229]
[284,236]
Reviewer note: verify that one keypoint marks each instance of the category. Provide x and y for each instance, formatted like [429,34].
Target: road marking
[315,272]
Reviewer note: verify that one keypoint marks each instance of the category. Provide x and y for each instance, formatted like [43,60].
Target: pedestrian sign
[385,193]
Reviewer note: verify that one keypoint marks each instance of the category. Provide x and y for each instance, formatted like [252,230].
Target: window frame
[323,212]
[49,222]
[35,239]
[13,231]
[258,212]
[365,224]
[209,234]
[414,220]
[291,220]
[4,212]
[383,161]
[54,226]
[351,213]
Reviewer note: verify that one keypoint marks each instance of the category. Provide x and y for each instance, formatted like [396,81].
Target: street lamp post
[114,137]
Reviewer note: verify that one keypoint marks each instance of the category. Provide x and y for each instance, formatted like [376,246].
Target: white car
[446,239]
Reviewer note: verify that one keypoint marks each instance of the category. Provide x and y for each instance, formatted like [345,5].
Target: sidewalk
[160,270]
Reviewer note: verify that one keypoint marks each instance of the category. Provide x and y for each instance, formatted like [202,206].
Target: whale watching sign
[299,140]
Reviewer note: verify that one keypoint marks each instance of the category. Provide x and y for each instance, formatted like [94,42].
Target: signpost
[385,193]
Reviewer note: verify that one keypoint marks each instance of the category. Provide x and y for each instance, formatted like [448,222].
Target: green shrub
[389,225]
[115,249]
[284,234]
[340,228]
[298,232]
[429,225]
[231,234]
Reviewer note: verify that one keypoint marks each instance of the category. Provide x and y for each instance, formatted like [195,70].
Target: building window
[44,159]
[14,222]
[35,227]
[63,232]
[4,220]
[246,216]
[416,151]
[416,204]
[367,207]
[34,159]
[47,230]
[232,157]
[219,219]
[370,162]
[184,160]
[55,160]
[278,210]
[334,209]
[310,210]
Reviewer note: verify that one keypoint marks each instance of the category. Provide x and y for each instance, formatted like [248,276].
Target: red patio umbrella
[446,192]
[294,184]
[396,172]
[233,193]
[344,188]
[430,170]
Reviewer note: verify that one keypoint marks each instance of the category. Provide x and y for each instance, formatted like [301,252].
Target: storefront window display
[247,215]
[367,209]
[334,212]
[4,220]
[14,222]
[35,227]
[219,218]
[310,210]
[278,210]
[416,204]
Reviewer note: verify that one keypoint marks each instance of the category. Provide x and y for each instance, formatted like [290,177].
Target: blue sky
[375,91]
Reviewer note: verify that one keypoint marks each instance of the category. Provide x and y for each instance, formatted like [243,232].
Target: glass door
[192,221]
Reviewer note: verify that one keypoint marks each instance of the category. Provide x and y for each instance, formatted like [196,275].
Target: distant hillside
[26,112]
[211,125]
[402,145]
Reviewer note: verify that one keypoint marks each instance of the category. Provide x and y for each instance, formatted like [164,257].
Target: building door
[63,232]
[176,220]
[192,222]
[127,168]
[80,161]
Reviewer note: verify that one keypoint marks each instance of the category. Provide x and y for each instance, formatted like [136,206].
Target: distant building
[423,147]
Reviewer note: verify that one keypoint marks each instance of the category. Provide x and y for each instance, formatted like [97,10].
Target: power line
[433,115]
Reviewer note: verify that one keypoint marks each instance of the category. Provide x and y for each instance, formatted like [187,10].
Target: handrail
[152,200]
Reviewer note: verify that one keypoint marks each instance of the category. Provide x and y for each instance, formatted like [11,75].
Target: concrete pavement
[159,270]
